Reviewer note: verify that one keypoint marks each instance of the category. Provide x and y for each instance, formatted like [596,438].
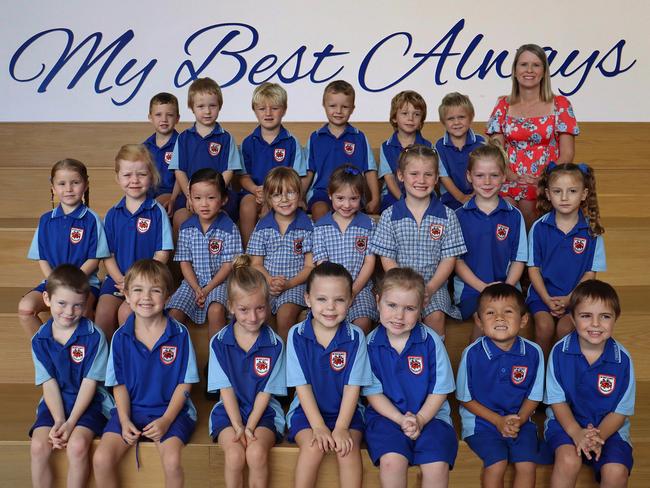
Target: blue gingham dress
[439,236]
[284,255]
[207,253]
[349,249]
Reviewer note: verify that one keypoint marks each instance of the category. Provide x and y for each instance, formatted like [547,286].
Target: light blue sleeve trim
[277,384]
[299,161]
[295,375]
[375,387]
[372,165]
[33,252]
[174,163]
[360,374]
[111,379]
[626,404]
[234,159]
[242,171]
[97,371]
[522,247]
[554,392]
[191,371]
[600,263]
[102,244]
[531,246]
[537,391]
[462,387]
[444,373]
[384,166]
[217,378]
[166,232]
[41,374]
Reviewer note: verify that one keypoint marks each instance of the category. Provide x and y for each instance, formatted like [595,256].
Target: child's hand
[343,442]
[120,285]
[586,441]
[508,426]
[372,207]
[240,434]
[169,207]
[466,198]
[188,203]
[156,429]
[55,437]
[249,432]
[409,426]
[130,433]
[558,306]
[278,285]
[199,298]
[64,432]
[428,293]
[322,437]
[259,195]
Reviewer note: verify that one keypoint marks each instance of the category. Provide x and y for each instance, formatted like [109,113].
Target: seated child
[151,367]
[408,419]
[247,366]
[70,356]
[590,388]
[327,363]
[500,382]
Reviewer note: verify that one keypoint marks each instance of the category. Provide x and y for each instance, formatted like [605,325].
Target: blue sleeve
[521,253]
[599,263]
[444,377]
[384,166]
[166,241]
[41,373]
[114,374]
[234,161]
[183,247]
[101,247]
[442,162]
[383,242]
[534,248]
[537,392]
[319,249]
[299,162]
[454,244]
[34,251]
[295,374]
[370,163]
[277,383]
[375,387]
[626,404]
[245,155]
[309,155]
[217,377]
[174,163]
[97,370]
[191,371]
[256,244]
[307,242]
[232,246]
[360,374]
[554,392]
[462,380]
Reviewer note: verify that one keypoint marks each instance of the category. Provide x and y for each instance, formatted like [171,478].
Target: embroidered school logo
[435,231]
[348,147]
[361,243]
[76,234]
[77,353]
[502,232]
[518,374]
[167,354]
[143,225]
[337,360]
[278,154]
[262,365]
[606,383]
[168,157]
[579,245]
[214,148]
[415,364]
[297,246]
[215,246]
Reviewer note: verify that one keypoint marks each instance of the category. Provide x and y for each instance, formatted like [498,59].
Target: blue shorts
[468,303]
[231,207]
[437,442]
[219,420]
[40,288]
[536,305]
[92,418]
[108,288]
[182,426]
[319,196]
[492,447]
[298,422]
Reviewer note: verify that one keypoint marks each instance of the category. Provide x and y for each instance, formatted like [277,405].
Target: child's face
[338,108]
[594,321]
[500,320]
[408,119]
[419,177]
[69,187]
[285,203]
[163,117]
[566,193]
[146,299]
[346,201]
[457,121]
[134,178]
[399,310]
[66,306]
[205,107]
[486,178]
[269,114]
[250,308]
[329,299]
[206,200]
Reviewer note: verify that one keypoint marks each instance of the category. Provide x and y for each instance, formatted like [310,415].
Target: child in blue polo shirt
[269,145]
[408,418]
[590,387]
[343,236]
[500,382]
[420,232]
[151,367]
[565,247]
[207,244]
[456,114]
[136,228]
[334,144]
[247,366]
[69,355]
[493,230]
[164,115]
[204,145]
[408,112]
[281,247]
[328,364]
[71,233]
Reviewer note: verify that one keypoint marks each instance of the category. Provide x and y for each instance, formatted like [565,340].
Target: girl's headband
[584,168]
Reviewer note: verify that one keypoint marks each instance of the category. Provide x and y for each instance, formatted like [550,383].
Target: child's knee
[257,454]
[235,457]
[567,460]
[77,448]
[103,460]
[496,469]
[393,464]
[614,474]
[40,449]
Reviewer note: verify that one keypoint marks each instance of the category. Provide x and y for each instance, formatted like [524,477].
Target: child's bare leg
[216,318]
[393,470]
[566,468]
[28,309]
[350,466]
[164,198]
[234,457]
[286,317]
[40,452]
[123,313]
[309,459]
[248,212]
[106,458]
[435,475]
[436,320]
[257,457]
[106,316]
[170,456]
[614,475]
[492,476]
[89,311]
[564,326]
[524,475]
[178,315]
[476,333]
[180,216]
[78,451]
[544,331]
[364,323]
[319,209]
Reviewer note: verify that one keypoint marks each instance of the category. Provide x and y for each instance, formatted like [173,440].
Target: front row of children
[401,368]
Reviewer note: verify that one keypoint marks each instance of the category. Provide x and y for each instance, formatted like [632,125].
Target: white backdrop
[81,60]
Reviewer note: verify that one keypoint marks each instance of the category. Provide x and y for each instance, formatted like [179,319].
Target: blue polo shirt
[562,258]
[591,391]
[499,380]
[453,164]
[327,369]
[325,153]
[139,235]
[260,157]
[409,377]
[162,157]
[151,377]
[69,239]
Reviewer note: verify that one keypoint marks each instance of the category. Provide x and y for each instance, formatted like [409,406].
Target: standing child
[420,232]
[69,355]
[456,114]
[408,418]
[328,364]
[151,367]
[281,247]
[590,387]
[269,145]
[136,228]
[342,237]
[247,366]
[500,382]
[69,234]
[565,247]
[207,244]
[334,144]
[408,111]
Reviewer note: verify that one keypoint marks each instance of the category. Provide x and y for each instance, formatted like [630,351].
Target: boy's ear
[400,175]
[524,320]
[477,320]
[46,299]
[307,300]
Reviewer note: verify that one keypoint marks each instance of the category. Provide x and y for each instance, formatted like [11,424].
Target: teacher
[534,126]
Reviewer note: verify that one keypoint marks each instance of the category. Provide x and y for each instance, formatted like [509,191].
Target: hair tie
[550,167]
[351,170]
[584,168]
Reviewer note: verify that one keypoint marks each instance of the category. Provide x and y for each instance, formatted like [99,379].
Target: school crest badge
[348,148]
[361,243]
[279,154]
[338,360]
[76,234]
[77,353]
[502,232]
[214,148]
[606,383]
[415,364]
[262,365]
[143,225]
[435,231]
[297,246]
[518,374]
[579,245]
[215,246]
[167,354]
[168,157]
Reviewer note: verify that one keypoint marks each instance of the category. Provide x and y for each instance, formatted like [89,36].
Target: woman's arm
[567,148]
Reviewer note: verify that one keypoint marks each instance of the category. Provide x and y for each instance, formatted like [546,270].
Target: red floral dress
[531,142]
